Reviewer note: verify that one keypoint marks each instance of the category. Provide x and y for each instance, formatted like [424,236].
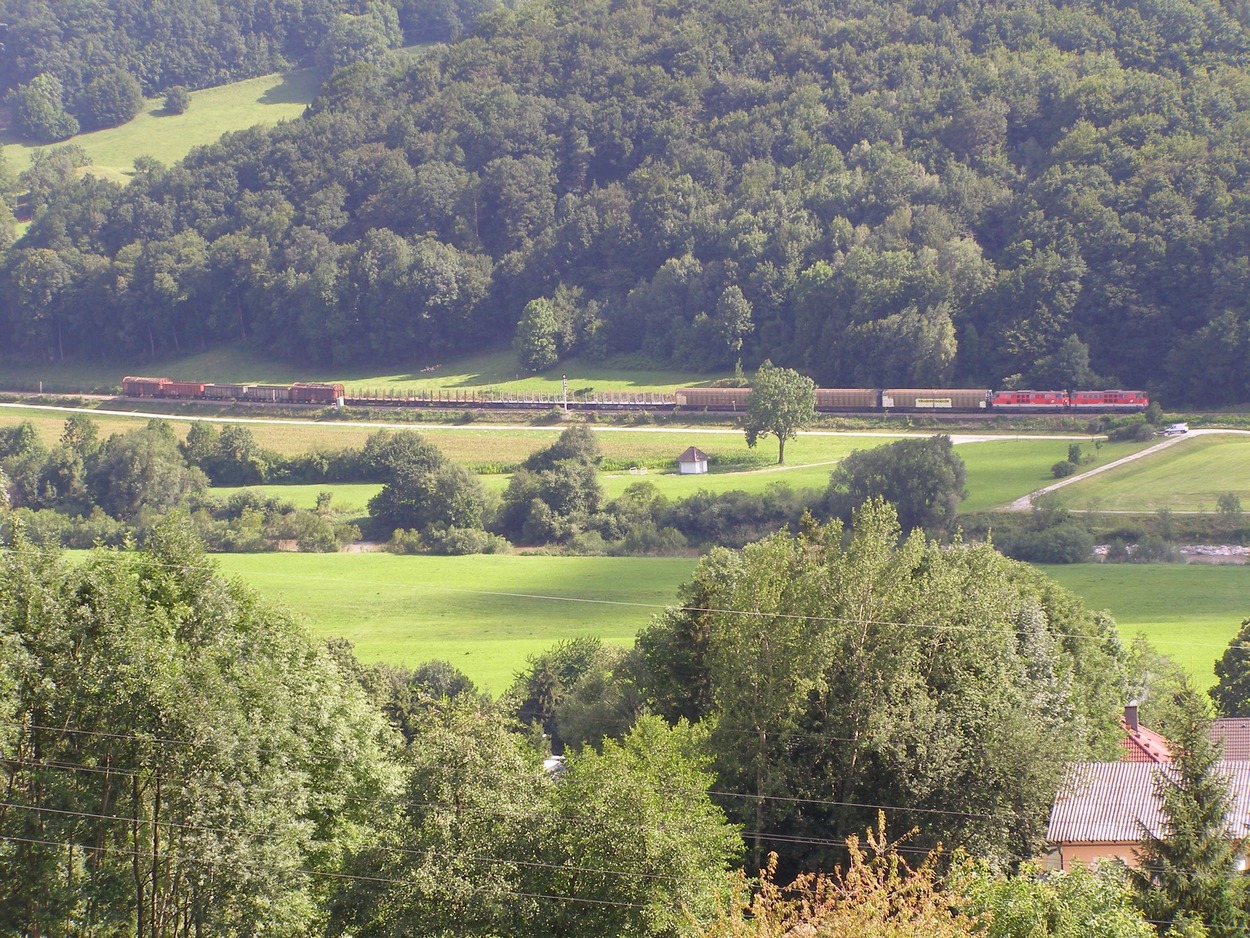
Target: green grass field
[496,370]
[1190,476]
[1189,612]
[170,137]
[1003,470]
[484,614]
[487,614]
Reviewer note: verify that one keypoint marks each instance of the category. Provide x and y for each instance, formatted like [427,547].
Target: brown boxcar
[268,392]
[935,398]
[316,393]
[183,389]
[143,387]
[226,392]
[713,398]
[848,399]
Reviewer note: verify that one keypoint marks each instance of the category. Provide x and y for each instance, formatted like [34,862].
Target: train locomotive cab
[1110,400]
[1030,400]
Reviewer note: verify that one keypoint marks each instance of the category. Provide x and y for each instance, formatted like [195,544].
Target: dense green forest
[84,63]
[874,193]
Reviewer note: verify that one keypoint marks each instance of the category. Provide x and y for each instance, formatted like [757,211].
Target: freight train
[828,400]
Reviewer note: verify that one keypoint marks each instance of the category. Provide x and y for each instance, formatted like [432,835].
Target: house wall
[692,468]
[1088,854]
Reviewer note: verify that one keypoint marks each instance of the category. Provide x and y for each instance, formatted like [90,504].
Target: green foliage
[535,342]
[39,110]
[833,688]
[1074,904]
[924,479]
[625,842]
[781,403]
[111,99]
[1232,690]
[556,494]
[876,211]
[427,494]
[177,100]
[1061,470]
[142,469]
[146,699]
[1188,869]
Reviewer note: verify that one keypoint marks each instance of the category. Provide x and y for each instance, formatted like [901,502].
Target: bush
[109,101]
[455,541]
[1153,549]
[177,100]
[1064,543]
[1063,469]
[405,541]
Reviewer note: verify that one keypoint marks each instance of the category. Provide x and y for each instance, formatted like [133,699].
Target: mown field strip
[1190,476]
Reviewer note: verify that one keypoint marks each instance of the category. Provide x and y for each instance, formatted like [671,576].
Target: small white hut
[692,462]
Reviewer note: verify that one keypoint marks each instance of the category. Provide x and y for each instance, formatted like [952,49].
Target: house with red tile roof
[1103,809]
[1141,744]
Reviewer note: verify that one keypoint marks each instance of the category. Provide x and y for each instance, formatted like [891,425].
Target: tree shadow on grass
[296,87]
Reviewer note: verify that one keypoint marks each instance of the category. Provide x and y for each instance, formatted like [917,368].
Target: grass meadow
[484,614]
[170,137]
[495,370]
[1190,476]
[487,614]
[1190,612]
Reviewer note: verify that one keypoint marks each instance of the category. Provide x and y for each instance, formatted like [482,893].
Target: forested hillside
[198,44]
[875,193]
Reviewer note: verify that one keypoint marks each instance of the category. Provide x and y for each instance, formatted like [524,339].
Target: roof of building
[1143,745]
[693,454]
[1101,802]
[1234,733]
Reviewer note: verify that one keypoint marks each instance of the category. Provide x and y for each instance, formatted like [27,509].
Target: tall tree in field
[1188,870]
[781,403]
[536,333]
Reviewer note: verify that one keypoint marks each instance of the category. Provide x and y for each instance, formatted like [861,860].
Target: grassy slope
[483,614]
[1189,612]
[169,137]
[1189,476]
[497,369]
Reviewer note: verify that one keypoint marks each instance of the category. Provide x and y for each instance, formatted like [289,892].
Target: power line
[748,796]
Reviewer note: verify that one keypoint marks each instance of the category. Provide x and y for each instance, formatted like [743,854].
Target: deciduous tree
[781,403]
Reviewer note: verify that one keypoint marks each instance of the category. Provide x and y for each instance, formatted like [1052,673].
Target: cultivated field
[1190,476]
[998,471]
[484,614]
[170,137]
[1190,612]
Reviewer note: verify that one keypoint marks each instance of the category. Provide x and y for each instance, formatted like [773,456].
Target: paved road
[1026,503]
